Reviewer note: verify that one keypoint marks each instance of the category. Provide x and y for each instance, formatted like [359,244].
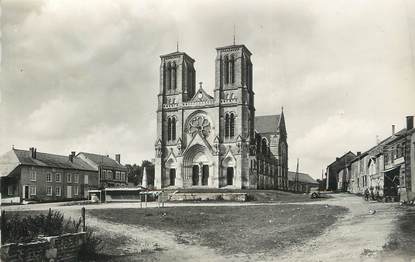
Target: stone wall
[56,248]
[240,197]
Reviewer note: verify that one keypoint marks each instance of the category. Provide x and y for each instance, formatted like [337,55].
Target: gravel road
[358,236]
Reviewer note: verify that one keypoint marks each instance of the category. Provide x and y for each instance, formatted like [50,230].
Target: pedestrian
[372,195]
[367,194]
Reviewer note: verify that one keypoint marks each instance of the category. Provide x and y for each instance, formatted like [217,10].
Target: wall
[57,248]
[334,168]
[41,184]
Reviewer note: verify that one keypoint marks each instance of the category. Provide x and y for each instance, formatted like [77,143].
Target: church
[206,141]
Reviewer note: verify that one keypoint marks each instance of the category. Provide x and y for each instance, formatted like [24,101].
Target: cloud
[331,138]
[337,135]
[83,75]
[55,118]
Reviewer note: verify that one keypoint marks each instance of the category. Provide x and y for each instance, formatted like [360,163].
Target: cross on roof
[200,84]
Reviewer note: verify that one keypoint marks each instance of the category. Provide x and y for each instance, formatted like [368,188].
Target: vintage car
[314,192]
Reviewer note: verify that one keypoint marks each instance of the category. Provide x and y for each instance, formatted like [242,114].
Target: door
[25,192]
[205,175]
[172,176]
[69,192]
[195,175]
[229,176]
[391,183]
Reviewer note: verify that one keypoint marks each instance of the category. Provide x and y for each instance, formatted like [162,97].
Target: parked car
[314,192]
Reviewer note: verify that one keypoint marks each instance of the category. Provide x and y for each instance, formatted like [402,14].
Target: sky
[82,75]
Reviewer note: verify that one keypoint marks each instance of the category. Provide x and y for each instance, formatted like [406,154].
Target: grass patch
[230,230]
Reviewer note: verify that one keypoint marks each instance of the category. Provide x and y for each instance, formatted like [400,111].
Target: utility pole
[296,176]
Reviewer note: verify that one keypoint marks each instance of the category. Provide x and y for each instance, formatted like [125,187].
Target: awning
[94,191]
[125,189]
[391,168]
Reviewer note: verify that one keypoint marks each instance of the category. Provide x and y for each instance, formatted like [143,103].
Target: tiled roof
[340,159]
[267,124]
[51,160]
[102,160]
[385,141]
[303,178]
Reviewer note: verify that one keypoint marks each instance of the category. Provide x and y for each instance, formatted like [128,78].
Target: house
[333,169]
[387,168]
[32,175]
[301,183]
[111,173]
[343,178]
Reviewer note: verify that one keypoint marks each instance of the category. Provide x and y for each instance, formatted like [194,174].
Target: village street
[358,235]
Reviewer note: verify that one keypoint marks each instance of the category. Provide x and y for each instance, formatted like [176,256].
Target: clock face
[200,95]
[199,123]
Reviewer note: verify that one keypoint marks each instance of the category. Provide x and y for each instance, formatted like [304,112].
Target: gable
[198,139]
[201,96]
[8,162]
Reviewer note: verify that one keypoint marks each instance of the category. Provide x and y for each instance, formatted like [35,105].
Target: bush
[91,246]
[219,198]
[17,229]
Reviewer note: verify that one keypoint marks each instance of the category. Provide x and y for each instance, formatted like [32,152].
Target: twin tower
[178,76]
[204,141]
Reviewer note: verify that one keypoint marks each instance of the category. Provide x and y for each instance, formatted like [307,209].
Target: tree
[135,172]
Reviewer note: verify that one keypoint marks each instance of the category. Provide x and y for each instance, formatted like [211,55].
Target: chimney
[409,122]
[33,152]
[359,153]
[118,158]
[72,156]
[393,130]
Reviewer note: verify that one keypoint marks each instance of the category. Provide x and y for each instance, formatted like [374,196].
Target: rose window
[199,124]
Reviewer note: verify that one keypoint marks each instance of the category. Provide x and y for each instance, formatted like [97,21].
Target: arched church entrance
[197,166]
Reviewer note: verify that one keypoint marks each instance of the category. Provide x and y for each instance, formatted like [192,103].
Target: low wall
[240,197]
[10,200]
[56,248]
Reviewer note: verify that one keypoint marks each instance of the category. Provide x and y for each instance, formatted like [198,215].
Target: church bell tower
[233,88]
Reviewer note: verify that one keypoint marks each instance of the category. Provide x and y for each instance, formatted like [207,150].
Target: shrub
[25,229]
[219,198]
[91,246]
[250,197]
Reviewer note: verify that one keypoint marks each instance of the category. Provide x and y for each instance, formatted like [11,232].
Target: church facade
[206,141]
